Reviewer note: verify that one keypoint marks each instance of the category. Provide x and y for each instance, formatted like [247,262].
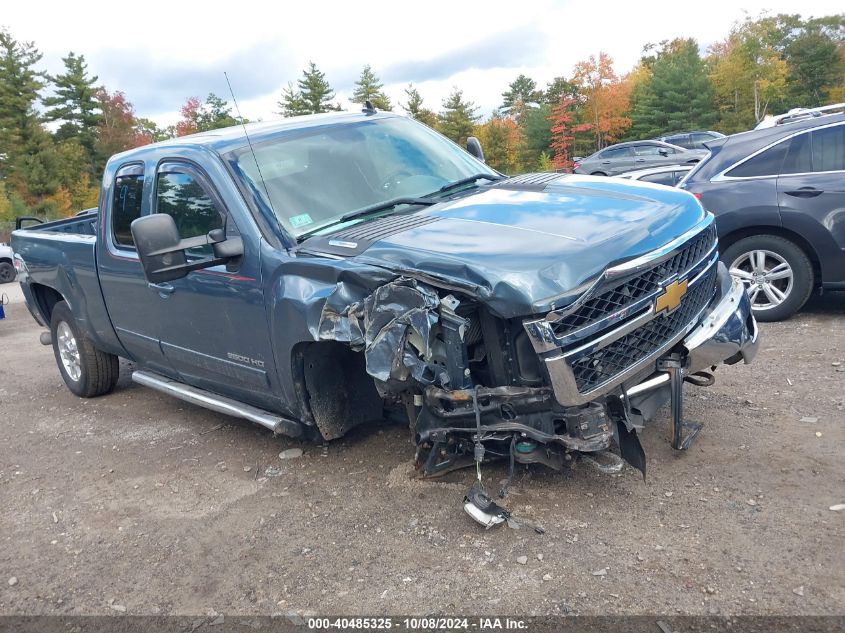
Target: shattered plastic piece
[483,509]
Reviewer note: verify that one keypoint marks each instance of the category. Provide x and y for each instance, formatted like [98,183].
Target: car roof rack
[800,114]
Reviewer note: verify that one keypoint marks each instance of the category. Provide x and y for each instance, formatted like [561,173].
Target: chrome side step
[221,404]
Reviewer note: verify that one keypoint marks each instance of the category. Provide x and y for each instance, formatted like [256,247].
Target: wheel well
[726,241]
[6,260]
[333,384]
[45,298]
[598,173]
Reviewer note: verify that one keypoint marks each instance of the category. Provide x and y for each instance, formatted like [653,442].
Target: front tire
[776,272]
[86,370]
[7,273]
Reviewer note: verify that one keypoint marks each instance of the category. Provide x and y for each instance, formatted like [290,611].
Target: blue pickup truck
[321,272]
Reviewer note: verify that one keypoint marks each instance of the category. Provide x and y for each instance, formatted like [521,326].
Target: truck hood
[525,245]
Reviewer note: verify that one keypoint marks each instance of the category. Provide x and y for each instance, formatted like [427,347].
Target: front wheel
[7,272]
[86,370]
[776,272]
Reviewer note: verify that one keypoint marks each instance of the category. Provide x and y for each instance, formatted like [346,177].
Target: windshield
[316,177]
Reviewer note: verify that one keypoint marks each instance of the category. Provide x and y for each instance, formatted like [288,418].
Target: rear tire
[86,370]
[7,273]
[776,272]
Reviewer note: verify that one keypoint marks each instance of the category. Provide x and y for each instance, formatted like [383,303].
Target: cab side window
[127,193]
[181,194]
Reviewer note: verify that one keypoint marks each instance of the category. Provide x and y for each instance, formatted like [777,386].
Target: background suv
[779,199]
[691,140]
[624,157]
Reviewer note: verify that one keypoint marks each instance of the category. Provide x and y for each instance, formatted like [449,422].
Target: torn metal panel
[393,327]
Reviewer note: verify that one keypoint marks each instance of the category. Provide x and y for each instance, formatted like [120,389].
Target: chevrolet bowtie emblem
[671,297]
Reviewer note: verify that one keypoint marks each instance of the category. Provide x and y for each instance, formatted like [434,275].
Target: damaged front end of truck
[550,388]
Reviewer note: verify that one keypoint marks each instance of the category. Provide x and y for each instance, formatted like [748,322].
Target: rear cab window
[126,199]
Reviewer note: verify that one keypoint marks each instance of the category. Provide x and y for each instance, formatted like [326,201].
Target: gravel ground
[138,503]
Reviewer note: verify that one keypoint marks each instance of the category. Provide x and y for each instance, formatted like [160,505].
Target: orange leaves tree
[502,139]
[563,132]
[605,99]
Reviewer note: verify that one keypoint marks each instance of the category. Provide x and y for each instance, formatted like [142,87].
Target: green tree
[292,103]
[74,104]
[521,95]
[677,96]
[557,89]
[369,88]
[414,107]
[537,132]
[215,113]
[502,140]
[26,150]
[815,65]
[458,117]
[314,91]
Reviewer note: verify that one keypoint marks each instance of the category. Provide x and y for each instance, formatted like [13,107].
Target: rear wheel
[86,370]
[777,274]
[7,272]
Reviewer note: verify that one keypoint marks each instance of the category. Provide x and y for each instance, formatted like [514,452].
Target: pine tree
[522,95]
[678,95]
[414,107]
[314,91]
[75,105]
[458,117]
[26,151]
[18,93]
[292,103]
[369,88]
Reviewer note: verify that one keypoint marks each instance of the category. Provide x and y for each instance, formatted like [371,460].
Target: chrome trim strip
[541,333]
[610,337]
[221,404]
[722,177]
[648,384]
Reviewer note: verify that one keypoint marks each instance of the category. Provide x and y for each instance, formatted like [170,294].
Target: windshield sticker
[300,220]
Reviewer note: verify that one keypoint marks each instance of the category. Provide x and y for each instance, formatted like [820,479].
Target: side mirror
[577,159]
[663,152]
[474,148]
[162,252]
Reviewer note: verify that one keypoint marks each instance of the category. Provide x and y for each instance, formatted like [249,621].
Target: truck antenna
[249,142]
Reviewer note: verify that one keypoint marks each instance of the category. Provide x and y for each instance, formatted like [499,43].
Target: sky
[160,53]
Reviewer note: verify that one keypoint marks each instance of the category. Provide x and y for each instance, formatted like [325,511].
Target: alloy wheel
[767,276]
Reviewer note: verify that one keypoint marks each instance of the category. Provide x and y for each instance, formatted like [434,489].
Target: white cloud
[159,53]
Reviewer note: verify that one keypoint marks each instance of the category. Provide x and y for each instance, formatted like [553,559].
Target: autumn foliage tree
[502,140]
[563,132]
[605,99]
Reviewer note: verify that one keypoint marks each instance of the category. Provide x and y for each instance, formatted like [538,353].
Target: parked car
[623,157]
[7,264]
[344,268]
[778,194]
[695,139]
[670,175]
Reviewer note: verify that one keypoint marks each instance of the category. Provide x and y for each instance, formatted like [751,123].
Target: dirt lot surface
[139,503]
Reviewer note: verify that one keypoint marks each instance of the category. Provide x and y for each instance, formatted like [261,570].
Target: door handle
[805,192]
[164,289]
[640,160]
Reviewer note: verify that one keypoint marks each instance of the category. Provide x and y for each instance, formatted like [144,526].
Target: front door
[214,328]
[812,181]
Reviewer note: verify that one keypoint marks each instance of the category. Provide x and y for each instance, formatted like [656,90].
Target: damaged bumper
[551,424]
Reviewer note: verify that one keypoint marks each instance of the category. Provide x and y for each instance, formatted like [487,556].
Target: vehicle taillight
[697,195]
[575,166]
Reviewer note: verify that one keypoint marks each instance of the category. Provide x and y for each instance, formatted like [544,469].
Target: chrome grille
[632,290]
[596,368]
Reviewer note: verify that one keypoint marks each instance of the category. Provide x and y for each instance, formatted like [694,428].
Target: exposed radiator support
[221,404]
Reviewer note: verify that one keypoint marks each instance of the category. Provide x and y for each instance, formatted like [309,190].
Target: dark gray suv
[779,199]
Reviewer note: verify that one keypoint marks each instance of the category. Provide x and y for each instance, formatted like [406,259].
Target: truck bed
[61,257]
